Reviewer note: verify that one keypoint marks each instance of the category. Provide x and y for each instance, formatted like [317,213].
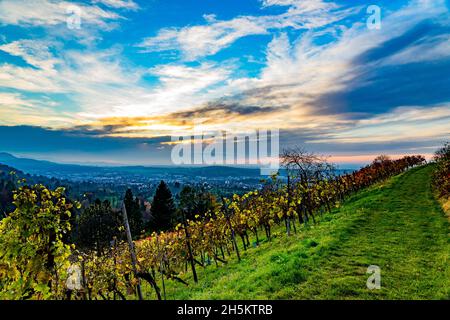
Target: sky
[111,81]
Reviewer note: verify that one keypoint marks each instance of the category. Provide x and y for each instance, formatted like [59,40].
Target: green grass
[396,225]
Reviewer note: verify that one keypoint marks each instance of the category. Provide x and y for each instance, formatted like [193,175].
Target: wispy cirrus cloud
[35,53]
[90,80]
[401,124]
[52,13]
[70,71]
[119,4]
[335,89]
[103,85]
[179,87]
[31,111]
[307,70]
[204,40]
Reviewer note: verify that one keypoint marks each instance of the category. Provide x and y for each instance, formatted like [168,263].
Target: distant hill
[5,171]
[38,166]
[48,168]
[59,170]
[31,178]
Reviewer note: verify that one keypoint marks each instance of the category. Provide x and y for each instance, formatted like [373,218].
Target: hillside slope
[397,225]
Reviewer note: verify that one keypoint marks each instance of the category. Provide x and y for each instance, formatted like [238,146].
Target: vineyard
[38,263]
[396,224]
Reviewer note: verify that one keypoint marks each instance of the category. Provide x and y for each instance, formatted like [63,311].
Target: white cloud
[28,79]
[400,124]
[198,41]
[180,88]
[304,5]
[296,73]
[299,72]
[119,4]
[435,48]
[204,40]
[15,106]
[325,67]
[51,13]
[71,70]
[13,100]
[410,114]
[35,53]
[96,80]
[103,85]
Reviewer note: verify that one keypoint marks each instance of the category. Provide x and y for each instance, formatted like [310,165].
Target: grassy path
[397,226]
[404,233]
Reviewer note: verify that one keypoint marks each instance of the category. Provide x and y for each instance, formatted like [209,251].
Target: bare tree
[382,158]
[303,169]
[306,166]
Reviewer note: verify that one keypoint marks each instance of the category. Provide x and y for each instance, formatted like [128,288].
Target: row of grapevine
[219,237]
[441,175]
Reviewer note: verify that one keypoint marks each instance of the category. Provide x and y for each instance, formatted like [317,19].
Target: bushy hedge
[441,178]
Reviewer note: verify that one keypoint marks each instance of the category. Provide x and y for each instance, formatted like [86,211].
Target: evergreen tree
[196,202]
[6,197]
[134,213]
[187,203]
[97,225]
[163,209]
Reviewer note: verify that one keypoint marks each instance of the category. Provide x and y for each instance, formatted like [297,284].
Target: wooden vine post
[233,236]
[132,251]
[288,219]
[188,243]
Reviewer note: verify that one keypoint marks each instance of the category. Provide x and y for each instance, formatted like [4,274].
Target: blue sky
[116,86]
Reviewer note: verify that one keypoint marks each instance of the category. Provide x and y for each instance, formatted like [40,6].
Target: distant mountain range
[69,171]
[47,168]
